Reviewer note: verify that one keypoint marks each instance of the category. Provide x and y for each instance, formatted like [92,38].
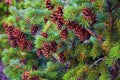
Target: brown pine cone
[16,32]
[14,43]
[61,57]
[46,49]
[45,20]
[64,34]
[49,6]
[34,67]
[59,24]
[25,75]
[34,29]
[88,14]
[39,52]
[10,29]
[21,37]
[22,44]
[23,61]
[29,45]
[92,0]
[54,17]
[5,26]
[59,11]
[44,34]
[34,78]
[53,46]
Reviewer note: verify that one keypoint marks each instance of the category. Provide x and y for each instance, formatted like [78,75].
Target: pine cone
[59,24]
[64,34]
[61,57]
[54,17]
[49,6]
[34,78]
[92,0]
[59,11]
[25,75]
[34,67]
[44,34]
[46,49]
[53,46]
[39,52]
[34,29]
[82,33]
[22,44]
[29,45]
[45,20]
[88,14]
[23,61]
[14,43]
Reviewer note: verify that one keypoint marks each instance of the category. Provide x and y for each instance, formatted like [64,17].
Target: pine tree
[60,39]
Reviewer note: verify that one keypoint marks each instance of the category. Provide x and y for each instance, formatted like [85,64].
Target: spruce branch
[96,62]
[109,9]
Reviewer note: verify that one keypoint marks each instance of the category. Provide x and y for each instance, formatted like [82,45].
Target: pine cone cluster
[17,38]
[47,48]
[64,34]
[88,14]
[79,31]
[49,6]
[34,29]
[61,57]
[27,76]
[56,17]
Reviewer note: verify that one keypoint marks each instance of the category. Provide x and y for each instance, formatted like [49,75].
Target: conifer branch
[96,62]
[109,6]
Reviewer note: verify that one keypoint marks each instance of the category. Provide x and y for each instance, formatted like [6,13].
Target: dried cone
[64,34]
[34,29]
[83,34]
[53,46]
[49,6]
[45,20]
[25,75]
[92,0]
[54,17]
[59,24]
[39,52]
[34,78]
[29,45]
[88,14]
[23,61]
[46,50]
[14,43]
[34,67]
[61,57]
[59,11]
[44,34]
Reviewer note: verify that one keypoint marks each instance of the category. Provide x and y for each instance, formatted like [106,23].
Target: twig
[100,59]
[110,14]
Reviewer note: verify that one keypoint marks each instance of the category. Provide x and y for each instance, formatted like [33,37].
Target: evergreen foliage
[60,39]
